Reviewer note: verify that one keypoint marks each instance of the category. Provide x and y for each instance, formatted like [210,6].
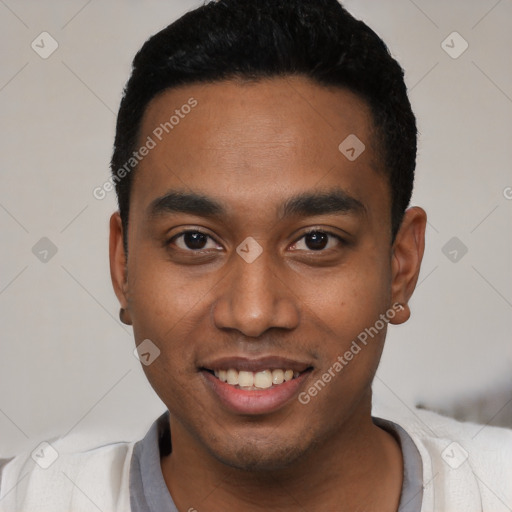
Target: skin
[252,146]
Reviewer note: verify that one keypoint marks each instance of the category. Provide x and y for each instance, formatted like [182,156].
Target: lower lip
[261,401]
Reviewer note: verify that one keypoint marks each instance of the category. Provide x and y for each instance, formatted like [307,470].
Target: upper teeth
[259,380]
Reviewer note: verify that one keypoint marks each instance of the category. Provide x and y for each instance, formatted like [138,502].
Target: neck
[358,468]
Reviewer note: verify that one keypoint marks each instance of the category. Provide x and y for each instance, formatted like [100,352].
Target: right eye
[193,241]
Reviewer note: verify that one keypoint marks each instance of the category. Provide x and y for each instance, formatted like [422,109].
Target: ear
[407,253]
[118,267]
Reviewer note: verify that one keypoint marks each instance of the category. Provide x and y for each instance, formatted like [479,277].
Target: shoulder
[67,474]
[481,442]
[463,463]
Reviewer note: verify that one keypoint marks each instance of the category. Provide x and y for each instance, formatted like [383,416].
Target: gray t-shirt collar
[149,493]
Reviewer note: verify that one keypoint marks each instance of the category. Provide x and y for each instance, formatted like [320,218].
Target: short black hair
[256,39]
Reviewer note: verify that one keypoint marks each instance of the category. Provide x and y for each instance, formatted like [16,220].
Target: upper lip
[255,364]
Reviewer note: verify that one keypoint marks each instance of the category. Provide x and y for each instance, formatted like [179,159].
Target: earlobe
[118,267]
[124,316]
[402,313]
[407,255]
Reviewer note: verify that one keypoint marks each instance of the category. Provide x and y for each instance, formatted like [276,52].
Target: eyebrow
[182,202]
[307,204]
[321,203]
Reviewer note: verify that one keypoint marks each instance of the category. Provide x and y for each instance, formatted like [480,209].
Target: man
[264,162]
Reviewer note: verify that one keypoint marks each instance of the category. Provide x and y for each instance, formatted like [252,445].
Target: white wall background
[66,363]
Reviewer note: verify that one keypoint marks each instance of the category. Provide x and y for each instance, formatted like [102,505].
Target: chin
[261,457]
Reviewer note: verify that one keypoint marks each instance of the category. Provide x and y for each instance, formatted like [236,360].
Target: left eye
[317,241]
[194,240]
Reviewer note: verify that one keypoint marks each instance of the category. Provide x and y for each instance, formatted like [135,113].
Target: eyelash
[197,231]
[341,241]
[309,232]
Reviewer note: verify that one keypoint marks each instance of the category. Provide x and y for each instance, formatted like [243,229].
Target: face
[257,250]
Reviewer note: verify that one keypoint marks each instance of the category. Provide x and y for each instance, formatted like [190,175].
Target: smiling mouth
[252,381]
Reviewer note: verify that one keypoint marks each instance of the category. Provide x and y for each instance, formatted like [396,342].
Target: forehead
[254,143]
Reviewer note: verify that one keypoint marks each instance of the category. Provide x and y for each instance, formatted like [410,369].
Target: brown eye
[193,241]
[316,240]
[319,241]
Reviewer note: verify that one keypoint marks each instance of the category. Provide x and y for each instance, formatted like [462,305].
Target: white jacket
[466,468]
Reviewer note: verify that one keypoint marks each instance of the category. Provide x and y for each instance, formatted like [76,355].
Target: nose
[255,298]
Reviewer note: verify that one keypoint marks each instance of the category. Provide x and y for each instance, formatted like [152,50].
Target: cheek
[168,308]
[163,299]
[348,299]
[350,306]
